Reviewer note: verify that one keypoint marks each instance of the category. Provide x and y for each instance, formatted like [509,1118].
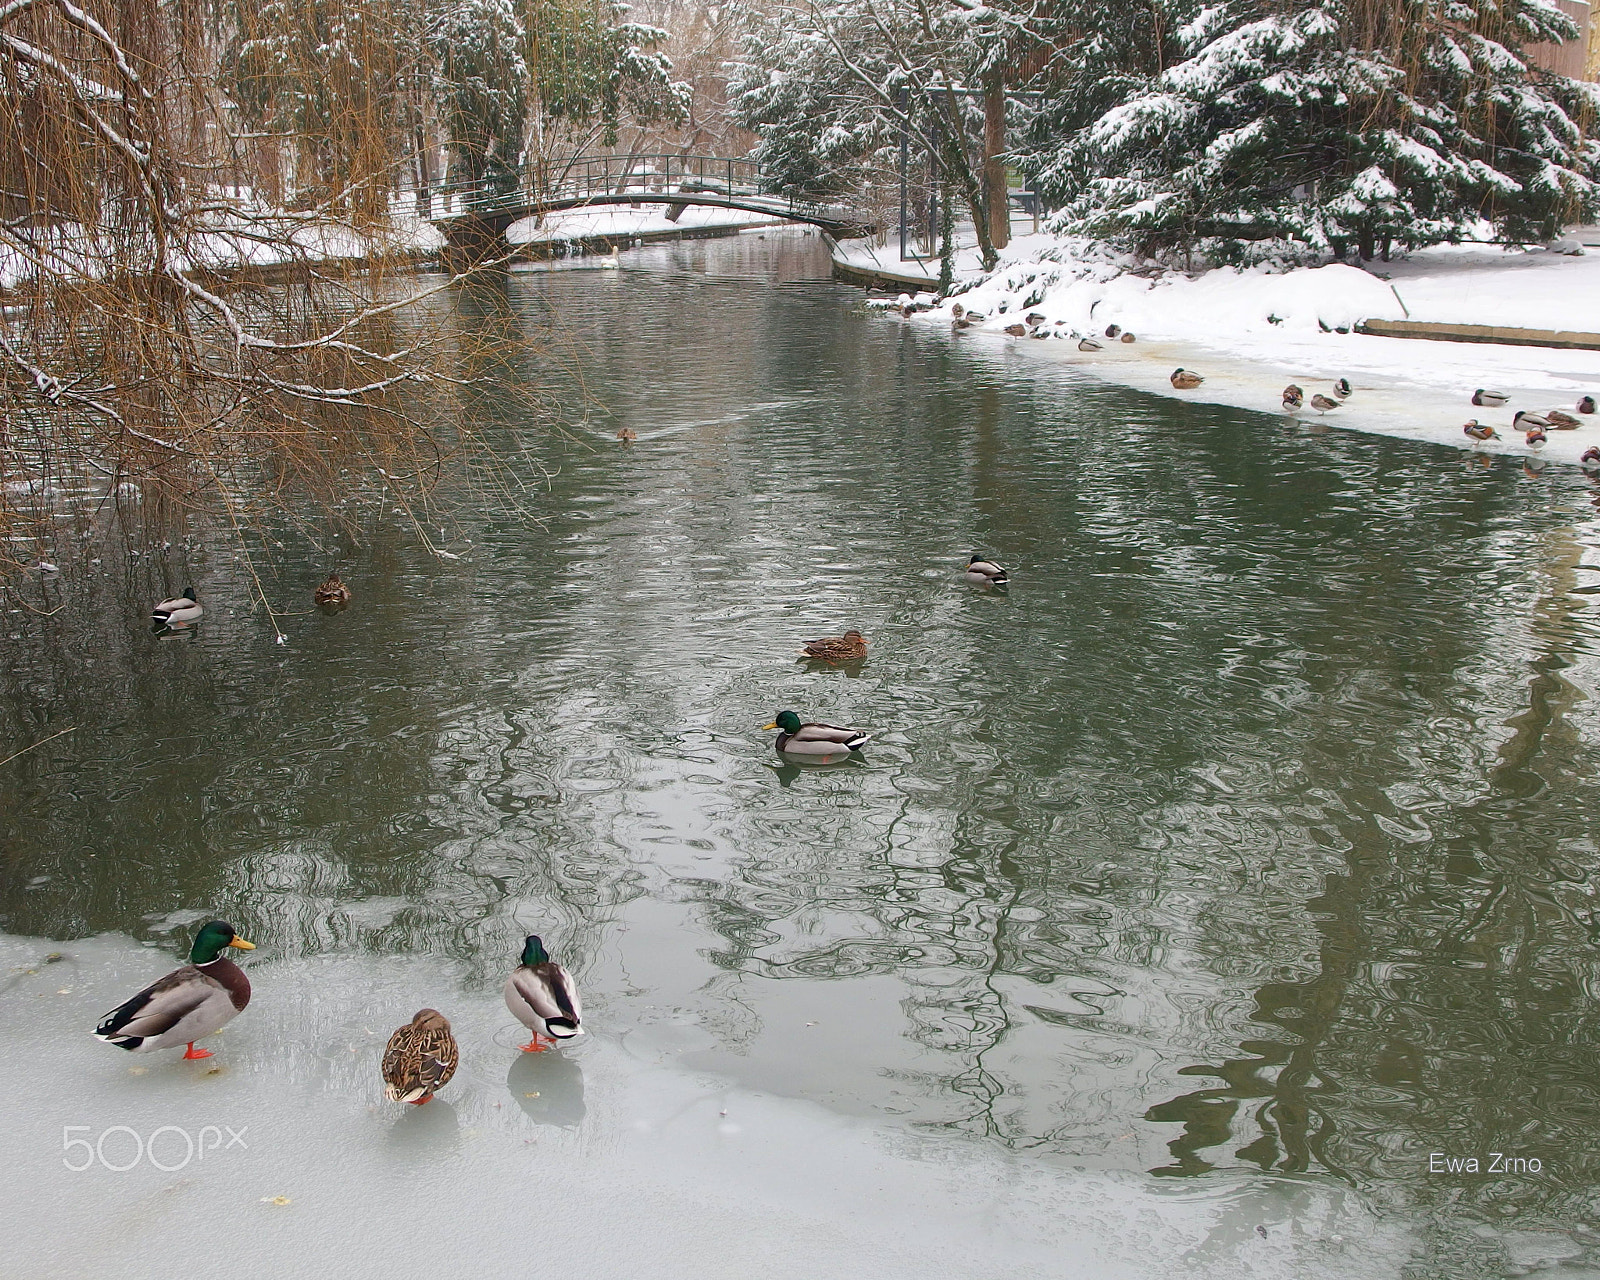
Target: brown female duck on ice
[1185,379]
[420,1058]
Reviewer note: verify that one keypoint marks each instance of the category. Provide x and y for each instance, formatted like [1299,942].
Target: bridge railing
[551,181]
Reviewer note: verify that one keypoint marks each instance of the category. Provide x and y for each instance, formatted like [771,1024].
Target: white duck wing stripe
[826,733]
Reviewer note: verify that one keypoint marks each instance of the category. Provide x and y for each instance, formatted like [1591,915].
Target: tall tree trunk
[997,205]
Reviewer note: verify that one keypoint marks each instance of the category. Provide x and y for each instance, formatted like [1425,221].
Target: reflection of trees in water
[1450,1009]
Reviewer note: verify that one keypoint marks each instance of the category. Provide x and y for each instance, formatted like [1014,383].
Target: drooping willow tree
[207,241]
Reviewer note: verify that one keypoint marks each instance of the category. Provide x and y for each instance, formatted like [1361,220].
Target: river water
[1234,863]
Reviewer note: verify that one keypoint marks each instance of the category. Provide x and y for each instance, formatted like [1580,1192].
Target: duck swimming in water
[985,572]
[825,741]
[850,647]
[179,611]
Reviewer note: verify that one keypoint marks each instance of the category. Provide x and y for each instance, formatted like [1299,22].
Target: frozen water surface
[606,1159]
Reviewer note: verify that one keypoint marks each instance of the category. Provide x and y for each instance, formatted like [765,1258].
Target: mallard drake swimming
[1293,397]
[179,611]
[1561,421]
[189,1003]
[1089,344]
[815,739]
[627,434]
[420,1058]
[1525,420]
[542,997]
[985,572]
[1341,388]
[1322,403]
[850,647]
[1185,379]
[332,591]
[1586,405]
[1489,399]
[1478,431]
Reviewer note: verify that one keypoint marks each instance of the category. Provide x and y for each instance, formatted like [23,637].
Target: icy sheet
[604,1160]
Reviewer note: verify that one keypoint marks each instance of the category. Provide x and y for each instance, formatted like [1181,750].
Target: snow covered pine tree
[1310,129]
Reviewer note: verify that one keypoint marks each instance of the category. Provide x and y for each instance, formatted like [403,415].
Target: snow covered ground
[619,221]
[605,1159]
[1251,332]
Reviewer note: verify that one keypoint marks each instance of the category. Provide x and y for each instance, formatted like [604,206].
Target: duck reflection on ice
[549,1087]
[430,1128]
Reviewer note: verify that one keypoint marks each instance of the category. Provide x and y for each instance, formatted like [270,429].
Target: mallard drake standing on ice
[543,997]
[189,1003]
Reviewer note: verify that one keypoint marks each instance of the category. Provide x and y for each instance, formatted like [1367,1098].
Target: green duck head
[213,939]
[188,594]
[533,952]
[788,721]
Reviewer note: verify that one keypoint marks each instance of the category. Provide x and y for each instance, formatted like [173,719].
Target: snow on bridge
[476,215]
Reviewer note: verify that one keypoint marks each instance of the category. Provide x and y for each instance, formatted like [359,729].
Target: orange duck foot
[192,1052]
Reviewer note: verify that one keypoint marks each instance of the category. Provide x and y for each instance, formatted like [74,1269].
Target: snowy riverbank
[1250,332]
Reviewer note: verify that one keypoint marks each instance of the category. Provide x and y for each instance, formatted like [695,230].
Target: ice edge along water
[1250,332]
[605,1161]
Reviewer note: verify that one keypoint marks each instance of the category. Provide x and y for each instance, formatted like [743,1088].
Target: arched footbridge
[475,216]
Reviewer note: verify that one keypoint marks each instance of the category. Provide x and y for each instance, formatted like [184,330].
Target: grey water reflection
[1250,830]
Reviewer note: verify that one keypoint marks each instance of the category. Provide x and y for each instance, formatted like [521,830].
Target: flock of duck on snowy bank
[1534,424]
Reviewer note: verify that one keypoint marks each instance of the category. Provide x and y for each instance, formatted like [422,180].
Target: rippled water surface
[1252,830]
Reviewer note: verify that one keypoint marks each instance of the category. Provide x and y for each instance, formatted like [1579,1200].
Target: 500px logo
[177,1145]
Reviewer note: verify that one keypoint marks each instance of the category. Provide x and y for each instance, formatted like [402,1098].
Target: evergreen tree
[1325,125]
